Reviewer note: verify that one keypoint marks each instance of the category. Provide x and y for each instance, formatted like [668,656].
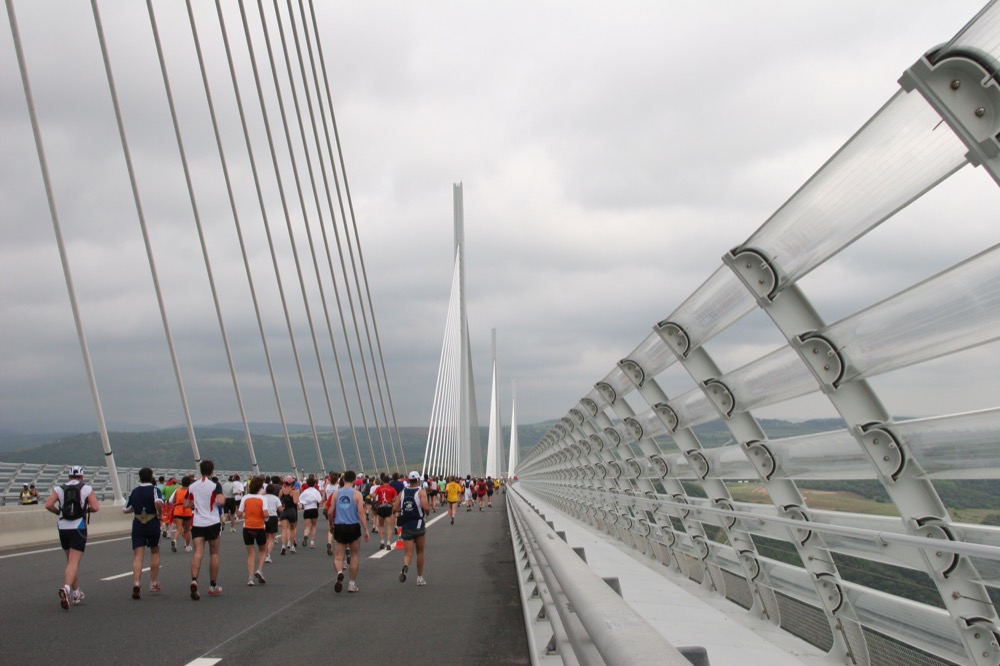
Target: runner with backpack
[72,501]
[412,507]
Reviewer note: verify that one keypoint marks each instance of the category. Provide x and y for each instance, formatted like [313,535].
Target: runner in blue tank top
[349,525]
[412,506]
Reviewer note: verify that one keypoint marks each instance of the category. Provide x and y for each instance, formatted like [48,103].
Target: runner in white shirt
[270,492]
[309,500]
[204,496]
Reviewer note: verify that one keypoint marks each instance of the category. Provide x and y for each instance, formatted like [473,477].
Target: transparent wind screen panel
[830,455]
[653,355]
[898,155]
[954,310]
[771,379]
[718,302]
[909,621]
[617,380]
[963,446]
[651,424]
[730,463]
[790,580]
[982,33]
[693,408]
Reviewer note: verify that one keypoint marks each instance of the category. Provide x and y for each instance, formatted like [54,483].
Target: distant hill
[225,444]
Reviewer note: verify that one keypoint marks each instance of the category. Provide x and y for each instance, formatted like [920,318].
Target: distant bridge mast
[453,439]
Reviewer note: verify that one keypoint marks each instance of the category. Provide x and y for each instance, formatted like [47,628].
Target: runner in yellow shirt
[453,491]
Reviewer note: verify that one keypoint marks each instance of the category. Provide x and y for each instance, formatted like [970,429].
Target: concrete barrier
[33,525]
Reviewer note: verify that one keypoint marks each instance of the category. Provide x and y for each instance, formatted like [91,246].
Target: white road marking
[49,550]
[382,553]
[124,574]
[203,661]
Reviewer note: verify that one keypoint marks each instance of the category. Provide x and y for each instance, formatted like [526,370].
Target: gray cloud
[611,153]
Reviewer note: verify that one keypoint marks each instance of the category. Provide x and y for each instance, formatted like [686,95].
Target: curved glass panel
[951,311]
[771,379]
[910,622]
[729,462]
[982,33]
[829,455]
[855,191]
[718,302]
[693,408]
[964,446]
[653,355]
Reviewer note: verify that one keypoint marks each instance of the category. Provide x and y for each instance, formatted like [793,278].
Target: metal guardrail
[590,623]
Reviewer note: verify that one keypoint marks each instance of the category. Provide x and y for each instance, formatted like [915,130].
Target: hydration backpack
[72,503]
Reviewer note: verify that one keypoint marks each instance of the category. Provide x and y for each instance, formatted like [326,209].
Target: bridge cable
[63,254]
[239,234]
[326,242]
[145,231]
[305,218]
[340,198]
[361,260]
[201,232]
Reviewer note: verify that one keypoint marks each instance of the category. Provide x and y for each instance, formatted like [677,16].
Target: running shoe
[453,520]
[421,581]
[214,590]
[194,590]
[136,592]
[154,587]
[65,594]
[312,544]
[329,549]
[232,528]
[250,583]
[173,545]
[78,596]
[292,549]
[267,559]
[337,587]
[163,534]
[352,587]
[188,549]
[282,550]
[305,541]
[259,576]
[402,574]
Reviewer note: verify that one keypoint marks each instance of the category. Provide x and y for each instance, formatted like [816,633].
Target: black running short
[208,532]
[250,537]
[347,534]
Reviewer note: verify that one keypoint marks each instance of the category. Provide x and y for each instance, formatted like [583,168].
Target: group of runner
[195,511]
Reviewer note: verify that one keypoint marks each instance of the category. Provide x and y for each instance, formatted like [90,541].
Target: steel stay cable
[343,214]
[239,233]
[61,245]
[279,182]
[201,233]
[305,221]
[147,241]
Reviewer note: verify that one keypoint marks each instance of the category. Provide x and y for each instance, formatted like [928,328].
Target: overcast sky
[611,153]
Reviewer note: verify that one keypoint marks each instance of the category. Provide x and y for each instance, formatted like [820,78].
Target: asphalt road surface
[469,611]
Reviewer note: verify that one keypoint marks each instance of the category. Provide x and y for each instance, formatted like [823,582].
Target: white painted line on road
[382,553]
[124,574]
[49,550]
[203,661]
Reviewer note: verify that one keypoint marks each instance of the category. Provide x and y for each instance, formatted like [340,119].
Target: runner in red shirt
[384,496]
[481,492]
